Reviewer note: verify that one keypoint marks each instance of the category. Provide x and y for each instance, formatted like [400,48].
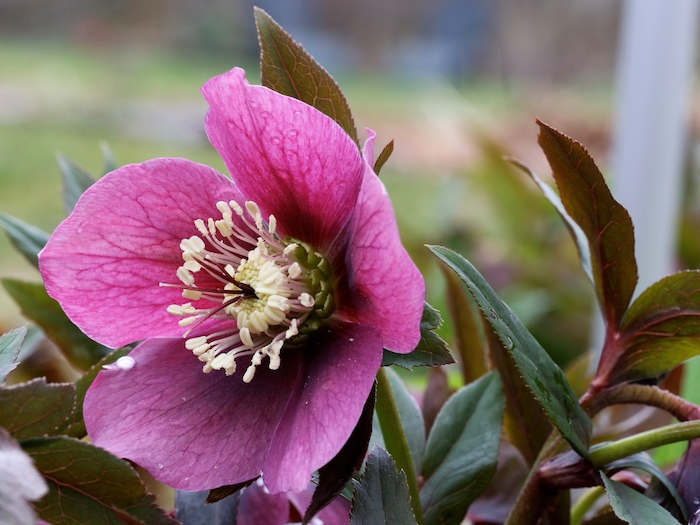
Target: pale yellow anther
[185,276]
[193,245]
[192,266]
[249,373]
[272,224]
[306,300]
[192,295]
[236,207]
[292,330]
[224,228]
[199,223]
[194,342]
[246,339]
[223,207]
[186,321]
[290,248]
[211,225]
[294,270]
[257,323]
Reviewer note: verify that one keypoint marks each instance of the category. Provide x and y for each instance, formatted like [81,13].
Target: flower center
[277,291]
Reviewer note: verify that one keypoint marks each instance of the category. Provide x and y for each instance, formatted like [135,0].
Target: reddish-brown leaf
[287,68]
[605,223]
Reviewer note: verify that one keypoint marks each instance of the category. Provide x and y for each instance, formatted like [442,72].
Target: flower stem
[584,503]
[395,438]
[604,454]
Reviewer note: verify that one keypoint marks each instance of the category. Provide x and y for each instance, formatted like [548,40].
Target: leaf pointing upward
[605,223]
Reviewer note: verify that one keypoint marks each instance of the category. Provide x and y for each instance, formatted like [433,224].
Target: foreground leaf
[383,157]
[36,305]
[462,451]
[431,349]
[381,495]
[89,485]
[36,408]
[75,181]
[543,377]
[605,223]
[635,508]
[287,68]
[19,483]
[28,239]
[661,328]
[10,346]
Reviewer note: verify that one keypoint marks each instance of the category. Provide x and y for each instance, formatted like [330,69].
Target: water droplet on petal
[351,339]
[160,465]
[123,363]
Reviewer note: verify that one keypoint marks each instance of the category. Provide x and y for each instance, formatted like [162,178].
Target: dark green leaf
[635,508]
[36,305]
[89,485]
[381,495]
[462,451]
[472,347]
[411,417]
[661,328]
[524,421]
[431,349]
[19,483]
[28,239]
[643,461]
[194,508]
[334,476]
[287,68]
[543,377]
[605,223]
[75,181]
[383,157]
[76,427]
[10,345]
[36,408]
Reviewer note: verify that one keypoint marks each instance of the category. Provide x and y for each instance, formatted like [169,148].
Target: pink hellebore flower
[258,507]
[264,301]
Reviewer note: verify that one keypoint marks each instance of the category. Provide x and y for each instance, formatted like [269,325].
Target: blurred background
[456,83]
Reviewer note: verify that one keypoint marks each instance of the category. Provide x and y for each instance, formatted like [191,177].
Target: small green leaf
[10,346]
[76,427]
[75,181]
[36,305]
[89,485]
[462,451]
[383,157]
[381,495]
[643,461]
[431,349]
[28,239]
[635,508]
[36,408]
[604,222]
[660,329]
[287,68]
[543,377]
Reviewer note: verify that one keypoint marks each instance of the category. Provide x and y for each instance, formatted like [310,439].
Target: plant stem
[622,448]
[584,503]
[395,439]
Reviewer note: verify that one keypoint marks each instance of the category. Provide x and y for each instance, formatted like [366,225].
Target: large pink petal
[104,263]
[294,161]
[384,286]
[342,362]
[190,430]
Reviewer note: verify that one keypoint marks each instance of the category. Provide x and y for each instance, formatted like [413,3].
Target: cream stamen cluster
[239,264]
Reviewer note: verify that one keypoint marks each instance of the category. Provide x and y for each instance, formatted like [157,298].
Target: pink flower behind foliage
[264,301]
[258,507]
